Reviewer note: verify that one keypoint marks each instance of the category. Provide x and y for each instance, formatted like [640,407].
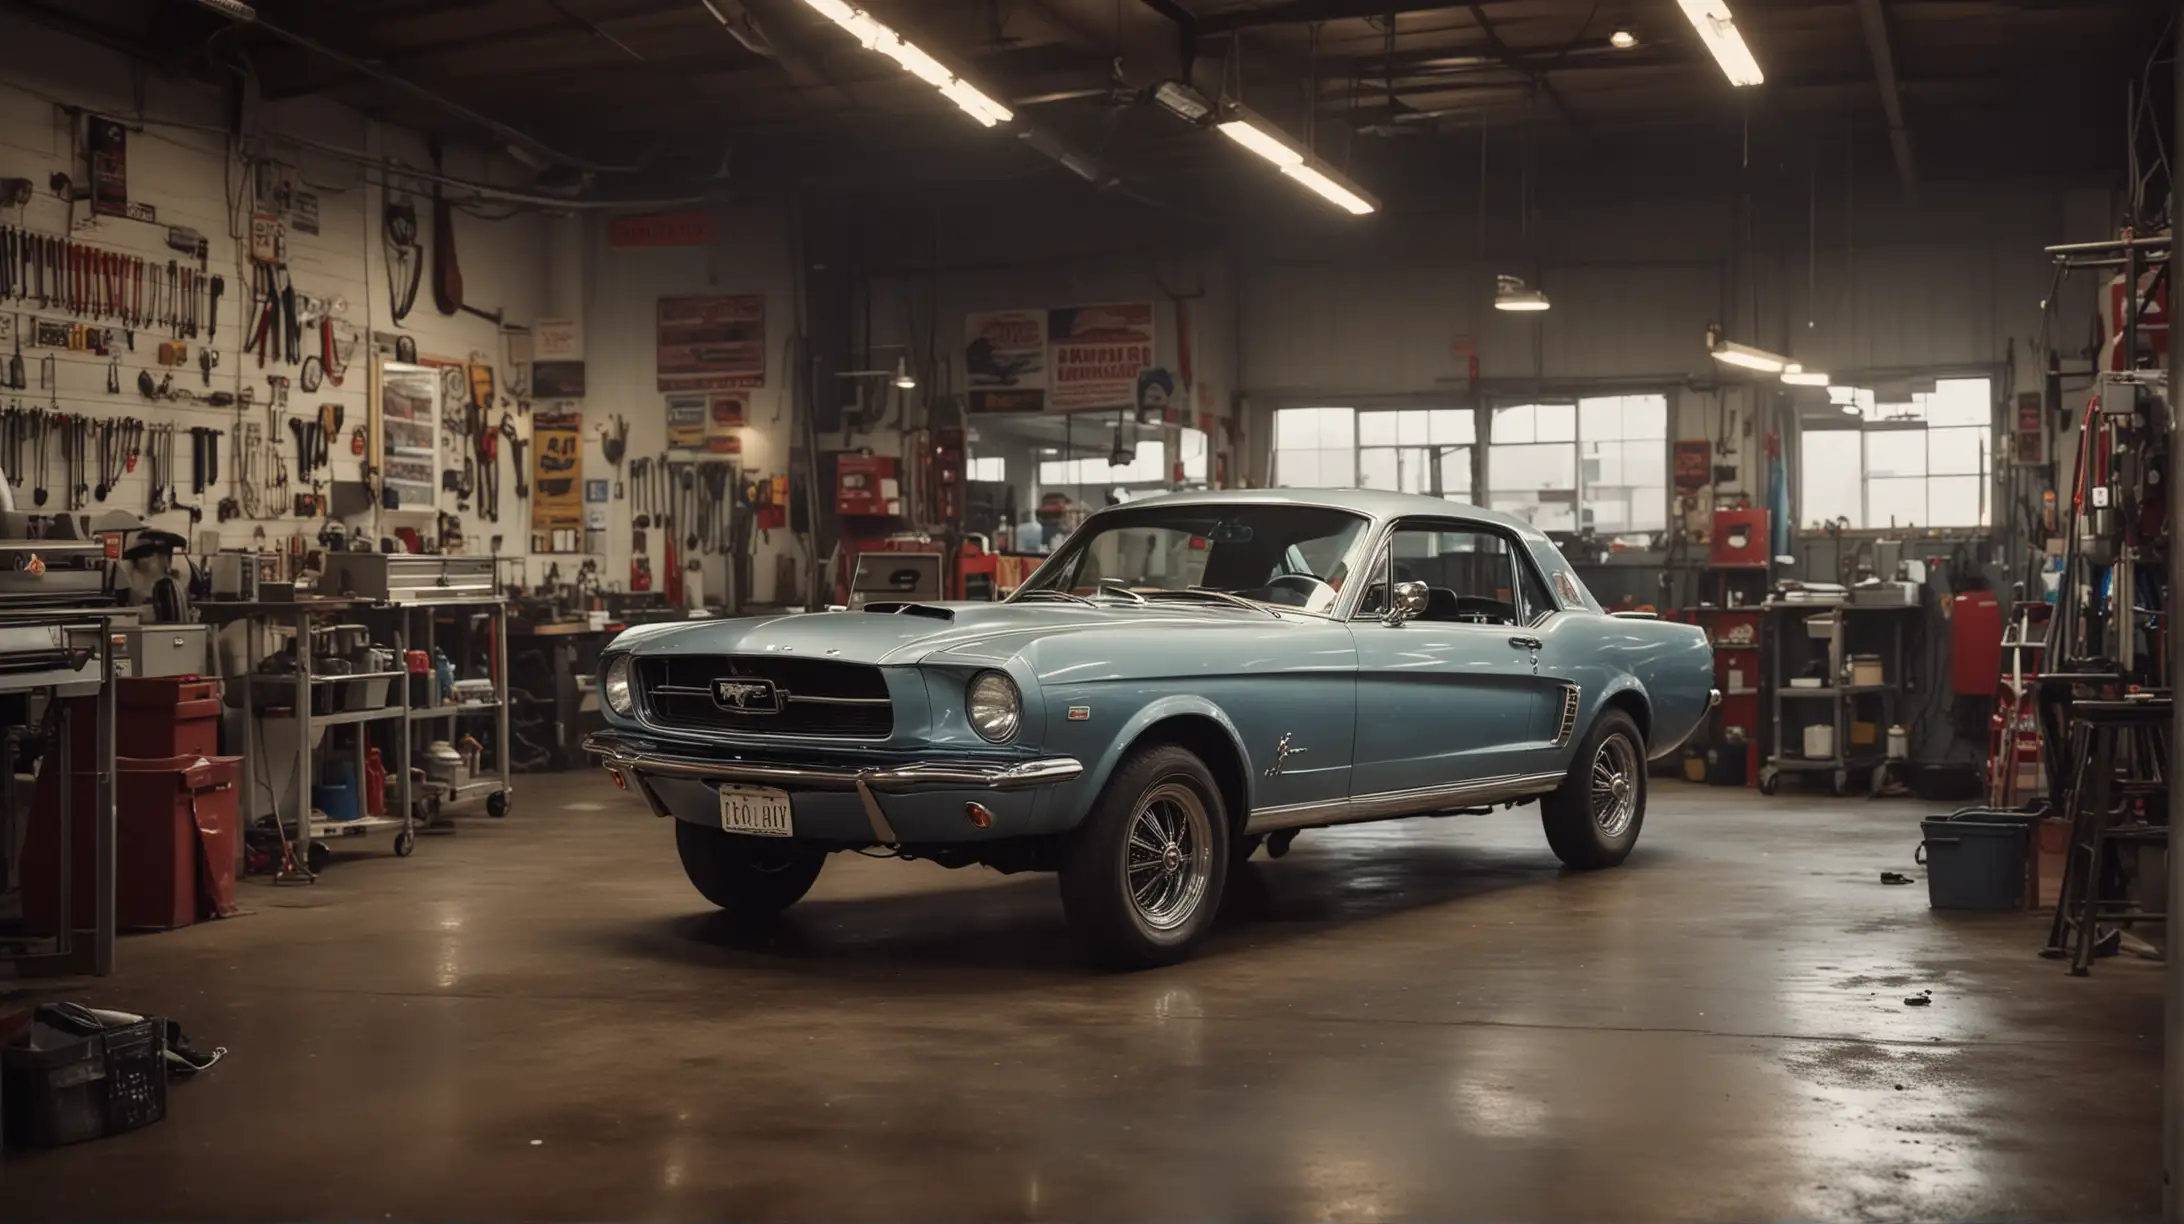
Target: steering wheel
[1317,594]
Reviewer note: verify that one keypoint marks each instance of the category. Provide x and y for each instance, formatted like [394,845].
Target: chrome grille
[1568,726]
[766,695]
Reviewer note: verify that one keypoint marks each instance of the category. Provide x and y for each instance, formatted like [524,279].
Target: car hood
[973,632]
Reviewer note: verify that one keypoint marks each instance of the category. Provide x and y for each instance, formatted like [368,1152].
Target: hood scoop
[910,609]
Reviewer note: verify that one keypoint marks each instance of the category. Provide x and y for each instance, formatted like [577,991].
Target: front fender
[1104,757]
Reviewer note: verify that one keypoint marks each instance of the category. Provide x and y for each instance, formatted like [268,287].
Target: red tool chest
[175,824]
[1740,539]
[155,717]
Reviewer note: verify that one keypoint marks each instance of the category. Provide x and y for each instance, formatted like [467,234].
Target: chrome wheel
[1168,859]
[1615,782]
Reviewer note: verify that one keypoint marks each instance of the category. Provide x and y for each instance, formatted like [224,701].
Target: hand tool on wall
[613,444]
[213,289]
[41,427]
[159,466]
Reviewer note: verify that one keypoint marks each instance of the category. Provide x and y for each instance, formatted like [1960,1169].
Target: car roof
[1373,503]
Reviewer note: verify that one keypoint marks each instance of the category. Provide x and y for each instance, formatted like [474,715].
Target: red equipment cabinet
[1740,540]
[868,486]
[1975,643]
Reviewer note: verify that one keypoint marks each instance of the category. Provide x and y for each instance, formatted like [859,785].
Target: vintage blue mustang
[1187,678]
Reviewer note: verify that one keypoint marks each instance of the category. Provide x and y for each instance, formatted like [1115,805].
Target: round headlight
[994,707]
[618,696]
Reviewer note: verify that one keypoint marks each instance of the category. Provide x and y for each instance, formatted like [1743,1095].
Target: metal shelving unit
[297,616]
[1843,698]
[419,620]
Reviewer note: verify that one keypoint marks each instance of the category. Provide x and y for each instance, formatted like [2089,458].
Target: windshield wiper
[1222,596]
[1051,593]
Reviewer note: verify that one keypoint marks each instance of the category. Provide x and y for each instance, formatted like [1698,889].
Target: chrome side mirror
[1409,601]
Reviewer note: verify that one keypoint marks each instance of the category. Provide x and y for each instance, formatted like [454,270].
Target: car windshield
[1287,556]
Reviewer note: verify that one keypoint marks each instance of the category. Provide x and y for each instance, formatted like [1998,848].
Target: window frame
[1862,429]
[1482,406]
[1383,563]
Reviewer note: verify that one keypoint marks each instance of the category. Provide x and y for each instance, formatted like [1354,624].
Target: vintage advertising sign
[679,229]
[726,415]
[686,422]
[1005,360]
[1095,354]
[557,471]
[712,343]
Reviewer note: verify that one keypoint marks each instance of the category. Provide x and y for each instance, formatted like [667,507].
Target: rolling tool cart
[1822,715]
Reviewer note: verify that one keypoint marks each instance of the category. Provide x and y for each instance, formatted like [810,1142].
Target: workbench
[60,953]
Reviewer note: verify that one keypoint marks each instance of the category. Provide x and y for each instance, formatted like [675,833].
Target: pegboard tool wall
[180,162]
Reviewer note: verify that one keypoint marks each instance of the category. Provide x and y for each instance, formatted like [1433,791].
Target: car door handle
[1522,642]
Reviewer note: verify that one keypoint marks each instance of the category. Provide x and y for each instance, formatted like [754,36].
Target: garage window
[1598,461]
[1402,450]
[1922,460]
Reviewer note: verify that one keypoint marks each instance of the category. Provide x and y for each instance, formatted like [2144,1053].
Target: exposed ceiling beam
[1884,74]
[1537,73]
[1297,12]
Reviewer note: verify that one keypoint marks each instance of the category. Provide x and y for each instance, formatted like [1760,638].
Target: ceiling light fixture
[913,59]
[1182,101]
[1328,189]
[1718,30]
[1798,376]
[903,377]
[1263,139]
[1260,140]
[1511,293]
[1622,40]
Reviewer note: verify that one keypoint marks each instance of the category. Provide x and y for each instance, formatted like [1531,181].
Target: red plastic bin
[176,820]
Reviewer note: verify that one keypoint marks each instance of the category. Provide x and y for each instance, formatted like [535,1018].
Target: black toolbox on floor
[73,1076]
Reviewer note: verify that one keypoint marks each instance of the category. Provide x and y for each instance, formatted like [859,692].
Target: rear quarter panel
[1669,666]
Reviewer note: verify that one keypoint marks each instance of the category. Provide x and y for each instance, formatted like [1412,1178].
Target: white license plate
[760,811]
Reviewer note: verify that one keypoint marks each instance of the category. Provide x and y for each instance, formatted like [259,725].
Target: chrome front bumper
[623,756]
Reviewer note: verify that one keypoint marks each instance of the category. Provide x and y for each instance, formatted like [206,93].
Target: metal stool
[2108,811]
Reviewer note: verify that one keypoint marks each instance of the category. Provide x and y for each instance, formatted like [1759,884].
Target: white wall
[192,176]
[753,253]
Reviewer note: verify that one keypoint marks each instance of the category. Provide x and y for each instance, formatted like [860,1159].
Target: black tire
[496,804]
[1171,789]
[750,877]
[1575,828]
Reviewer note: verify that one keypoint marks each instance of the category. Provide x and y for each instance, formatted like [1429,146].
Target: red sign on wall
[661,230]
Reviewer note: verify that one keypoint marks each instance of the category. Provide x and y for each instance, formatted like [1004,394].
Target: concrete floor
[538,1018]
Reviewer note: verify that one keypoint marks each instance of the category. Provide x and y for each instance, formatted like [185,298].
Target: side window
[1537,602]
[1471,577]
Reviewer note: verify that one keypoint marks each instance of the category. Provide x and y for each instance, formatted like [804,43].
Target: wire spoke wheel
[1614,785]
[1168,856]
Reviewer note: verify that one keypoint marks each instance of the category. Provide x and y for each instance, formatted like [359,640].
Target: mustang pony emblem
[747,696]
[1282,753]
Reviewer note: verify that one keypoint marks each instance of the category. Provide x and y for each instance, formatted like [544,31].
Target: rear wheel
[750,877]
[1592,819]
[1145,871]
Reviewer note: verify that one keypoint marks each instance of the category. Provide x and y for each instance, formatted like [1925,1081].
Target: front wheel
[1145,871]
[750,877]
[1592,819]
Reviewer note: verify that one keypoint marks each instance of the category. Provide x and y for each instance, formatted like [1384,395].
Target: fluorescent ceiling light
[1260,141]
[1511,293]
[1718,30]
[1328,189]
[1797,376]
[912,59]
[1749,358]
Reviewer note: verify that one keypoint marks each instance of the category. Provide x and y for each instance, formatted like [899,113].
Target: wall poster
[1095,354]
[1067,359]
[1004,360]
[686,422]
[557,474]
[713,343]
[726,414]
